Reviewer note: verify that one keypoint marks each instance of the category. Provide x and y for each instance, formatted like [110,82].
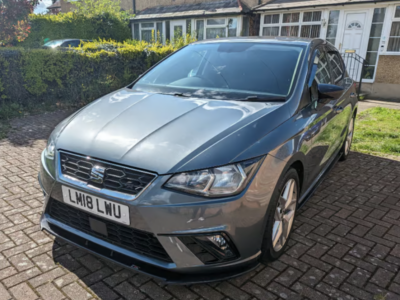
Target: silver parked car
[194,172]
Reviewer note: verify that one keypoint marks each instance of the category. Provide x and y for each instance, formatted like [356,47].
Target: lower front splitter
[169,276]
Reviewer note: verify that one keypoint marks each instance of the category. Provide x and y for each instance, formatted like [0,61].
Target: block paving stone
[345,244]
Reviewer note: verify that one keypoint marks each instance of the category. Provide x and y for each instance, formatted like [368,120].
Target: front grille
[126,237]
[116,178]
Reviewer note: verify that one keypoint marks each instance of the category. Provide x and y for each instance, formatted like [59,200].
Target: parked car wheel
[280,217]
[347,142]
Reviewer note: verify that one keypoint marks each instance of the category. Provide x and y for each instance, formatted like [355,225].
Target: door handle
[338,109]
[353,95]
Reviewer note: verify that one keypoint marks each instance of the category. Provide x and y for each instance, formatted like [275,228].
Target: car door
[342,108]
[318,136]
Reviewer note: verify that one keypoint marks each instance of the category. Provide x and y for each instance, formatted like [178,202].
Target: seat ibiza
[194,172]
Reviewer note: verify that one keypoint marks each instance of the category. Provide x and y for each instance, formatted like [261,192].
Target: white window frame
[225,25]
[300,23]
[392,19]
[147,28]
[150,28]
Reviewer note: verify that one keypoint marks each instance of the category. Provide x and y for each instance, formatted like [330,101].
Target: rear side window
[72,43]
[337,67]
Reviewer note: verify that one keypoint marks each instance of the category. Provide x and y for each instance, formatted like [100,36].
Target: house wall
[252,3]
[387,79]
[388,70]
[66,6]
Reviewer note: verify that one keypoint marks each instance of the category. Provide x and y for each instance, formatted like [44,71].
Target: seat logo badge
[97,174]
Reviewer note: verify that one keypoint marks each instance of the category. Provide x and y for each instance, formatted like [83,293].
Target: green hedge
[72,25]
[32,78]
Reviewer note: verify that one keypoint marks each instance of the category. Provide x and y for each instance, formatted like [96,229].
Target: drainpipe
[134,6]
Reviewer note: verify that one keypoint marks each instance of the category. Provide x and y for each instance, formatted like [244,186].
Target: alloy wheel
[284,215]
[349,137]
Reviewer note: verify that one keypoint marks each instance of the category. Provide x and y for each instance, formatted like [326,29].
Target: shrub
[33,78]
[74,25]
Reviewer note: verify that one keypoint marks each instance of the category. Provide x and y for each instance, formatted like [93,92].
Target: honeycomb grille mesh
[116,178]
[125,237]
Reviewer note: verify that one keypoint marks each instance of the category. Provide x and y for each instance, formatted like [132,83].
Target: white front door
[178,29]
[353,31]
[353,39]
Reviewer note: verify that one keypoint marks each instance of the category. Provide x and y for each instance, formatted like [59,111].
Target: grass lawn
[377,132]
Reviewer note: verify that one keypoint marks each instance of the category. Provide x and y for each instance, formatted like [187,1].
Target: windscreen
[53,44]
[226,70]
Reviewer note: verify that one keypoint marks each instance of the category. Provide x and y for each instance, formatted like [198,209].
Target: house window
[200,30]
[213,28]
[374,42]
[147,30]
[245,26]
[332,26]
[271,23]
[136,31]
[394,36]
[232,27]
[303,24]
[160,36]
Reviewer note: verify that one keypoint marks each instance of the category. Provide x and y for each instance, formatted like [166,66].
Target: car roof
[266,39]
[66,40]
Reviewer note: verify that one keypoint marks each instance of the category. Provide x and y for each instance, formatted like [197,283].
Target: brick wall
[388,69]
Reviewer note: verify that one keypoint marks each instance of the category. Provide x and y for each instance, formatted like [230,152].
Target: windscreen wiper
[266,99]
[179,95]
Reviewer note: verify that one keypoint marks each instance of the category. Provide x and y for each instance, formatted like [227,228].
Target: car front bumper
[167,215]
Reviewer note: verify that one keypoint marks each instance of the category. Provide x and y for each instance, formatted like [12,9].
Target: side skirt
[311,190]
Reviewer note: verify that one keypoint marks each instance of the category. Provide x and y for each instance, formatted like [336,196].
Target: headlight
[214,182]
[50,148]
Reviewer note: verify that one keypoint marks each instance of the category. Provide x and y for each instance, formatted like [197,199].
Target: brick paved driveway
[345,244]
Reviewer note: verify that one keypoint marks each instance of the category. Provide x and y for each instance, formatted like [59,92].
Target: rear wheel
[347,142]
[280,217]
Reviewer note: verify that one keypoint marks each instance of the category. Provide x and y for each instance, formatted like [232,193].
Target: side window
[71,43]
[322,75]
[337,67]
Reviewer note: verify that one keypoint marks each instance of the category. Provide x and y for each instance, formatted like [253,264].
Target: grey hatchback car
[194,172]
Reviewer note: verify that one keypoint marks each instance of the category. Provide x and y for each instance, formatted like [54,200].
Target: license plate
[97,206]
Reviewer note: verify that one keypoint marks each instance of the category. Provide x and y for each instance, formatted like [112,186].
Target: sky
[41,7]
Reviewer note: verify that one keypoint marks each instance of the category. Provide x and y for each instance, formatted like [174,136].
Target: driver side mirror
[329,91]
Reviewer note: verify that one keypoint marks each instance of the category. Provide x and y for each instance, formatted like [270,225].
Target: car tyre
[347,142]
[280,216]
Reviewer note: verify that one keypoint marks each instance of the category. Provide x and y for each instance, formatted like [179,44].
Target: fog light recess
[211,248]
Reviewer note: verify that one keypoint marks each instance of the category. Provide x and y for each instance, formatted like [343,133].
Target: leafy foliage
[35,79]
[14,20]
[73,25]
[91,8]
